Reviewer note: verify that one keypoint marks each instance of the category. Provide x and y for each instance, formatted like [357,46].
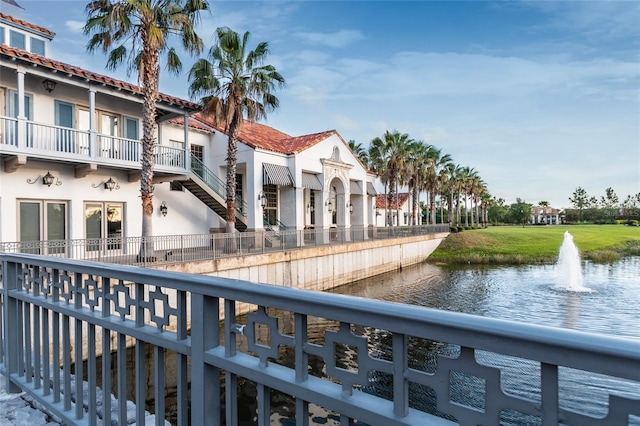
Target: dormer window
[17,40]
[37,46]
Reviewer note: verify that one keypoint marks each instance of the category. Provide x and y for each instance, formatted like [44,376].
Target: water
[603,300]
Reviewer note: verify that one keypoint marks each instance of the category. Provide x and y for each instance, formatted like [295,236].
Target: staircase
[211,190]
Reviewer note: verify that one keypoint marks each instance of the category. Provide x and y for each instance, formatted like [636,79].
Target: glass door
[41,217]
[104,227]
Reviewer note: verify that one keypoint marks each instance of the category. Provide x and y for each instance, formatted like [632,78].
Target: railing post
[11,323]
[205,379]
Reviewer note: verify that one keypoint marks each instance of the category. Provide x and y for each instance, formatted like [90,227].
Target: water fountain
[569,268]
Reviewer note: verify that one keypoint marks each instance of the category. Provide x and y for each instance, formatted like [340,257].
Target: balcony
[20,139]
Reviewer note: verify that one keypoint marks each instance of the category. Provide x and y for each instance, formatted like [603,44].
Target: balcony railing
[155,335]
[171,249]
[45,140]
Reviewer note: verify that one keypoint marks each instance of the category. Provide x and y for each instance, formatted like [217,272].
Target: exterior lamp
[108,184]
[329,206]
[163,209]
[47,179]
[350,206]
[49,85]
[111,185]
[262,199]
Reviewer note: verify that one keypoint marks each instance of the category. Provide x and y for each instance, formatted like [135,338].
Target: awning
[311,181]
[354,187]
[371,190]
[276,175]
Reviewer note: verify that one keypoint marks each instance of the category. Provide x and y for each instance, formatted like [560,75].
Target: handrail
[172,249]
[372,361]
[214,182]
[269,220]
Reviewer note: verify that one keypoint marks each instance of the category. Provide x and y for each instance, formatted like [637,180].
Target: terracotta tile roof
[73,70]
[300,143]
[255,135]
[194,123]
[28,25]
[391,203]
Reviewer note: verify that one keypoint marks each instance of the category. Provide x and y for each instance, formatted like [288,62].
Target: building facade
[70,159]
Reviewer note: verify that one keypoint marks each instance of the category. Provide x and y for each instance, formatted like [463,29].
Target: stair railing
[214,182]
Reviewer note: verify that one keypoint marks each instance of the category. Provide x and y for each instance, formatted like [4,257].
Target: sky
[538,97]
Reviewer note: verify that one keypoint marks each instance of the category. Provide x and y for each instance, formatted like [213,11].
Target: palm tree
[378,164]
[393,147]
[148,26]
[359,151]
[234,86]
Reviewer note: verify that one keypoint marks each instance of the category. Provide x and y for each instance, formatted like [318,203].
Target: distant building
[398,210]
[545,215]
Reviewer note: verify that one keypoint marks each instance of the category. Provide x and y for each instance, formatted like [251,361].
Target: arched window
[335,156]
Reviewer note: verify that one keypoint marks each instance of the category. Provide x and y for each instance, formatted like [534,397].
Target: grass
[537,244]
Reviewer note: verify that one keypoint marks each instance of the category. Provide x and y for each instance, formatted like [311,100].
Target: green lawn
[537,244]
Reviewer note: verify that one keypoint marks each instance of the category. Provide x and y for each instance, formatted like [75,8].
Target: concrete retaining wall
[320,268]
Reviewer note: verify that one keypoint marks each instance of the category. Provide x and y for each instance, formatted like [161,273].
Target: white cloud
[337,39]
[74,26]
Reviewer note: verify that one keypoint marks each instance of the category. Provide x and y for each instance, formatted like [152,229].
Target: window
[239,186]
[1,34]
[13,105]
[197,151]
[103,226]
[12,108]
[38,218]
[37,46]
[270,210]
[17,39]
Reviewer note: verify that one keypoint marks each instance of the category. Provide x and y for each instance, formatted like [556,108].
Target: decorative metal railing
[170,249]
[214,182]
[155,337]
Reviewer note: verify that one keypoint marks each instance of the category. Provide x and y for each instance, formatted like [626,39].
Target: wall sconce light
[350,206]
[163,209]
[49,85]
[329,206]
[109,184]
[47,179]
[262,199]
[378,211]
[309,207]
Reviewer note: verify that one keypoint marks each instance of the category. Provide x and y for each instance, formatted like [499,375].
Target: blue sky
[539,97]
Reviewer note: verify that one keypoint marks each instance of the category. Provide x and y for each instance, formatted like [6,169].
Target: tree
[580,200]
[359,151]
[520,211]
[393,150]
[610,203]
[234,86]
[147,26]
[543,204]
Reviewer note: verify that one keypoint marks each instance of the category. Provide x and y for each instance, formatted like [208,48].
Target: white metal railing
[116,148]
[352,358]
[168,249]
[44,139]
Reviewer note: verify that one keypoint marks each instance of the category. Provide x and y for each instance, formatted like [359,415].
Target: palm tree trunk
[150,89]
[232,151]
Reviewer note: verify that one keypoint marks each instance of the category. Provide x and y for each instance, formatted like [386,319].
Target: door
[104,224]
[65,137]
[46,218]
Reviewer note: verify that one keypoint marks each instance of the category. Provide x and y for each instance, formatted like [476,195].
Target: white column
[93,139]
[187,144]
[22,124]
